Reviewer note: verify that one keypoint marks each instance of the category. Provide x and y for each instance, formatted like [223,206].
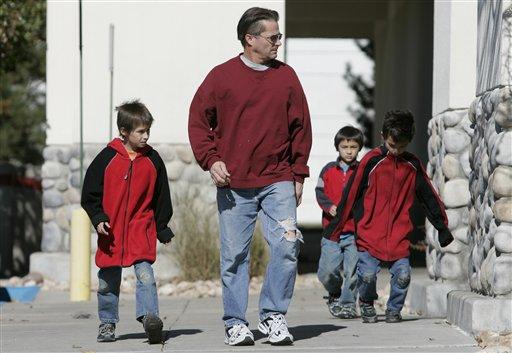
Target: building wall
[162,52]
[320,65]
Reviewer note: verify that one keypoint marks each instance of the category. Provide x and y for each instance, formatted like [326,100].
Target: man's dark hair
[132,114]
[250,22]
[399,125]
[349,133]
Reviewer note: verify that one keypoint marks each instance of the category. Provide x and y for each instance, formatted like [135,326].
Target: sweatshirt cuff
[165,235]
[97,219]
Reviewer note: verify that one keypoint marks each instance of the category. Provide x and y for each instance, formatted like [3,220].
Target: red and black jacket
[379,196]
[329,189]
[134,197]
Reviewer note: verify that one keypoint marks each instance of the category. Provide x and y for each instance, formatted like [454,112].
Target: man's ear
[249,39]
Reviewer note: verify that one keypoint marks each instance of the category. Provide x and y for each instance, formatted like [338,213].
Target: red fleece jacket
[379,196]
[134,197]
[257,122]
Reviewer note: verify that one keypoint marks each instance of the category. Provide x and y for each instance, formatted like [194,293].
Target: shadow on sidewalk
[305,331]
[167,334]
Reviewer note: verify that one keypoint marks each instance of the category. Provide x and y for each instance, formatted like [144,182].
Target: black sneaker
[333,303]
[368,313]
[153,327]
[107,333]
[393,316]
[348,312]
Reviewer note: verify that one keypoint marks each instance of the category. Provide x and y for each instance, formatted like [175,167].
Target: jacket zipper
[129,179]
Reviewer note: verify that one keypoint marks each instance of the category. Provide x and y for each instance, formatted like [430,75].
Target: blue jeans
[238,210]
[334,258]
[146,297]
[367,270]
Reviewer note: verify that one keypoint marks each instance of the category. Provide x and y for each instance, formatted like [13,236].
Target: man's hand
[220,174]
[332,210]
[298,192]
[103,228]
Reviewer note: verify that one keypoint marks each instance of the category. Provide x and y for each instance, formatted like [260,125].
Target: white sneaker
[239,335]
[277,330]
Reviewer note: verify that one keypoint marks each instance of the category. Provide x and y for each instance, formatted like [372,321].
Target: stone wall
[470,153]
[490,219]
[61,190]
[448,167]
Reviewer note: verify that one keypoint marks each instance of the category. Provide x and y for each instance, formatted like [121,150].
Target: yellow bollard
[80,271]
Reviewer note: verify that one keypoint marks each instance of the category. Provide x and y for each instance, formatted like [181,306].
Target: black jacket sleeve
[161,204]
[432,204]
[92,190]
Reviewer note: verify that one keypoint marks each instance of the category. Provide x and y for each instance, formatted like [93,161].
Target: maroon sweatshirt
[257,122]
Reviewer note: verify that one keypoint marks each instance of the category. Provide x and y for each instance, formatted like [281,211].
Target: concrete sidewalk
[53,324]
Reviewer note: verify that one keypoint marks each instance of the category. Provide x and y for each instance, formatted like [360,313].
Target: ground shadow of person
[305,331]
[166,334]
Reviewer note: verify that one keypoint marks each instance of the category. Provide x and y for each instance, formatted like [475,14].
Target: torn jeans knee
[291,232]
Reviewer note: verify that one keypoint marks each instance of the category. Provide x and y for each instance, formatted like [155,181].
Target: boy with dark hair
[340,253]
[126,195]
[379,196]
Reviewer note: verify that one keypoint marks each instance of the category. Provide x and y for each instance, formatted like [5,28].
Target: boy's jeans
[367,270]
[238,210]
[146,297]
[335,256]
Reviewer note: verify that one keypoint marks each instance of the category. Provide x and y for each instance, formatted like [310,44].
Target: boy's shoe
[333,303]
[276,329]
[153,327]
[107,333]
[239,335]
[348,312]
[368,313]
[393,316]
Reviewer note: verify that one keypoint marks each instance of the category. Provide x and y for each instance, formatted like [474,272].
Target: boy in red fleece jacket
[379,196]
[126,195]
[341,254]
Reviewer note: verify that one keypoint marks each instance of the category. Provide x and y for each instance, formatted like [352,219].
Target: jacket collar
[117,145]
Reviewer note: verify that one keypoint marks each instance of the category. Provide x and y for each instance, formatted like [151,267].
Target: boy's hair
[349,133]
[131,114]
[250,22]
[399,125]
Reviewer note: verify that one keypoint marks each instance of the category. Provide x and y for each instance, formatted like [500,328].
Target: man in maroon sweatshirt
[249,126]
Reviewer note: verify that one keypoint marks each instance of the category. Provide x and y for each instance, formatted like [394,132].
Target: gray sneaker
[368,313]
[333,304]
[106,333]
[348,312]
[153,327]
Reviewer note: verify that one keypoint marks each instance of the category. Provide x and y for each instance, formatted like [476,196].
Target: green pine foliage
[22,80]
[364,90]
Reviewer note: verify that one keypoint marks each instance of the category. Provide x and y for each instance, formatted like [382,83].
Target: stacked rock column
[490,217]
[448,167]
